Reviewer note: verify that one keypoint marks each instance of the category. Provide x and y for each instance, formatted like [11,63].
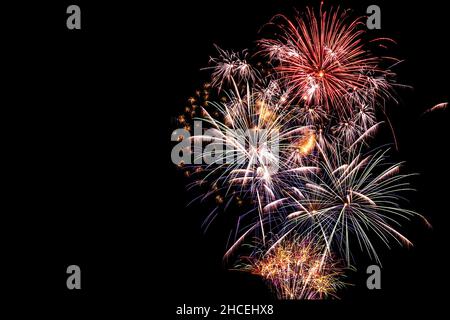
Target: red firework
[322,58]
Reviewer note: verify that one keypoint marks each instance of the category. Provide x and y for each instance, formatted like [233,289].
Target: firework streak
[287,144]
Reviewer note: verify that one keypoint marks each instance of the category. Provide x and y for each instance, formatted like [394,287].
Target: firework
[439,106]
[295,270]
[352,199]
[322,58]
[290,136]
[254,138]
[230,66]
[250,130]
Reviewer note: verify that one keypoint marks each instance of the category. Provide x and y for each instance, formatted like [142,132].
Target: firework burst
[322,58]
[295,269]
[230,66]
[254,138]
[352,198]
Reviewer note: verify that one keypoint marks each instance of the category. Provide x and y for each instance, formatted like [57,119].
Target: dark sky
[91,179]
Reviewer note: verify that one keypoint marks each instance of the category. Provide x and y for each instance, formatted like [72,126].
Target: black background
[90,182]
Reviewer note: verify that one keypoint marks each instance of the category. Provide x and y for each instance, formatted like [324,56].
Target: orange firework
[307,144]
[299,270]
